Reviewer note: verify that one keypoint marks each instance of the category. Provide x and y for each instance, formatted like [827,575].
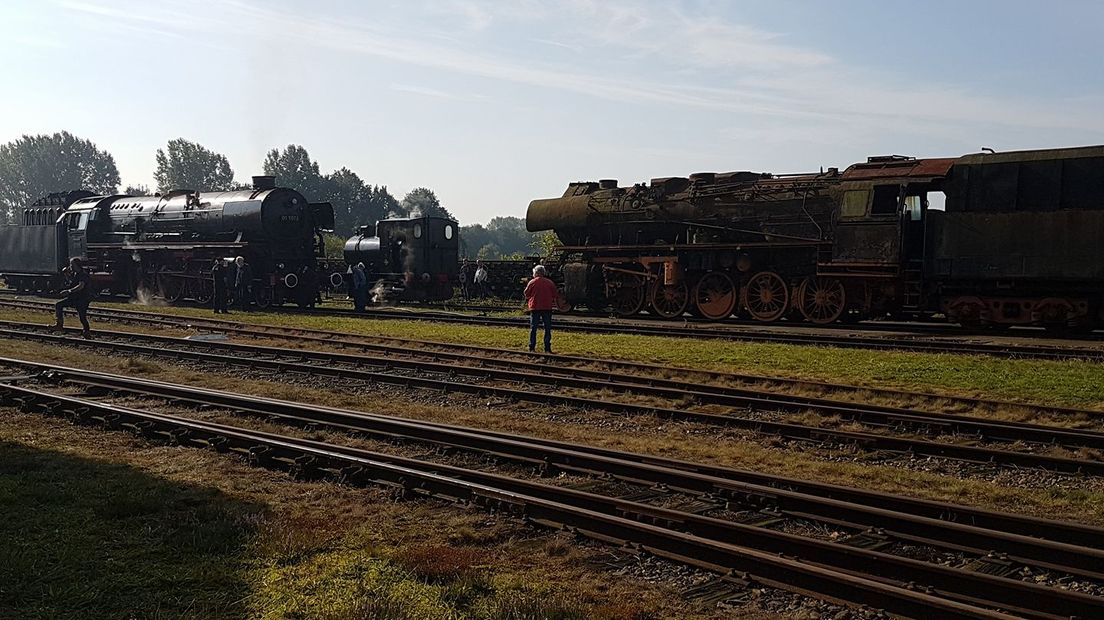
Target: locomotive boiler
[165,244]
[689,243]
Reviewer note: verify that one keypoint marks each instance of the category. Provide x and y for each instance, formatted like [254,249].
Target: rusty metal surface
[909,168]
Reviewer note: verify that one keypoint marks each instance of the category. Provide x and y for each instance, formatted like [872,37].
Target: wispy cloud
[663,55]
[433,92]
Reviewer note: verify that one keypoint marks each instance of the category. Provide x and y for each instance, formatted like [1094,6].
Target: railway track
[851,341]
[920,344]
[860,569]
[513,385]
[568,365]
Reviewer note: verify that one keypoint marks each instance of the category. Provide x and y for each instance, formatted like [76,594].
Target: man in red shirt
[541,296]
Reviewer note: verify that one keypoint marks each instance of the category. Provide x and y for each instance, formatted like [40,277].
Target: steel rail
[826,340]
[312,362]
[403,344]
[1046,528]
[740,398]
[690,538]
[1086,561]
[905,327]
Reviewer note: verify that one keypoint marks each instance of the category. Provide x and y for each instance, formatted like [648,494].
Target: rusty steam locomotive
[165,245]
[1018,243]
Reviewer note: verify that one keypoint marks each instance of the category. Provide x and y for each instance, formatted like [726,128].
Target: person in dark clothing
[360,287]
[465,276]
[218,281]
[310,293]
[77,295]
[540,297]
[243,282]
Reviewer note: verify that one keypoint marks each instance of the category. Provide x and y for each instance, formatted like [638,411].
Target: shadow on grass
[85,539]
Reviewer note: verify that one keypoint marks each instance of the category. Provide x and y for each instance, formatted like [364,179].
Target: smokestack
[607,184]
[264,182]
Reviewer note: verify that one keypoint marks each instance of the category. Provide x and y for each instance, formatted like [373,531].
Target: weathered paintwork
[1040,246]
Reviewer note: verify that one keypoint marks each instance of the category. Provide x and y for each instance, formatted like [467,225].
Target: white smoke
[379,295]
[145,297]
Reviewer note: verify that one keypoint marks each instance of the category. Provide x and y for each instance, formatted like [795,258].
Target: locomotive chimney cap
[264,182]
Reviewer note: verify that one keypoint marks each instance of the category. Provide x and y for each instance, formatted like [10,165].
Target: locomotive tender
[166,244]
[1019,241]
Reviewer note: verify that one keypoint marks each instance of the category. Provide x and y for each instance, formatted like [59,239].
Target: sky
[492,104]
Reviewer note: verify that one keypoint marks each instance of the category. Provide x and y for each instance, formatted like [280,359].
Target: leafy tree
[34,166]
[355,202]
[294,168]
[137,190]
[188,165]
[346,192]
[387,204]
[421,201]
[334,244]
[544,243]
[489,252]
[502,237]
[472,238]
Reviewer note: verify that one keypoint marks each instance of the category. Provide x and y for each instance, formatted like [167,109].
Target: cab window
[448,231]
[417,231]
[912,207]
[854,203]
[885,200]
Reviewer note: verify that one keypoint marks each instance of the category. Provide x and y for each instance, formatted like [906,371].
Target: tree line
[34,166]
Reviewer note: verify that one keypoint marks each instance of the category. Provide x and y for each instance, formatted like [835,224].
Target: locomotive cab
[879,232]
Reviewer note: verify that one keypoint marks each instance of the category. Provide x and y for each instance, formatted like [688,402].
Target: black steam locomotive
[407,259]
[165,245]
[1019,242]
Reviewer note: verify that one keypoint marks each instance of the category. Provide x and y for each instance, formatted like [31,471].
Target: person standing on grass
[360,287]
[540,296]
[243,282]
[480,279]
[465,279]
[77,295]
[218,282]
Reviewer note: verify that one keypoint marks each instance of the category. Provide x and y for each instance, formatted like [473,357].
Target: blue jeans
[536,317]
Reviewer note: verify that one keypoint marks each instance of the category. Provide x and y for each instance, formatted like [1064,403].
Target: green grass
[101,525]
[1073,383]
[89,539]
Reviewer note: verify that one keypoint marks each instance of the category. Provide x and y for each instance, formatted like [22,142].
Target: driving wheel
[821,300]
[766,296]
[170,287]
[670,301]
[262,296]
[628,292]
[715,296]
